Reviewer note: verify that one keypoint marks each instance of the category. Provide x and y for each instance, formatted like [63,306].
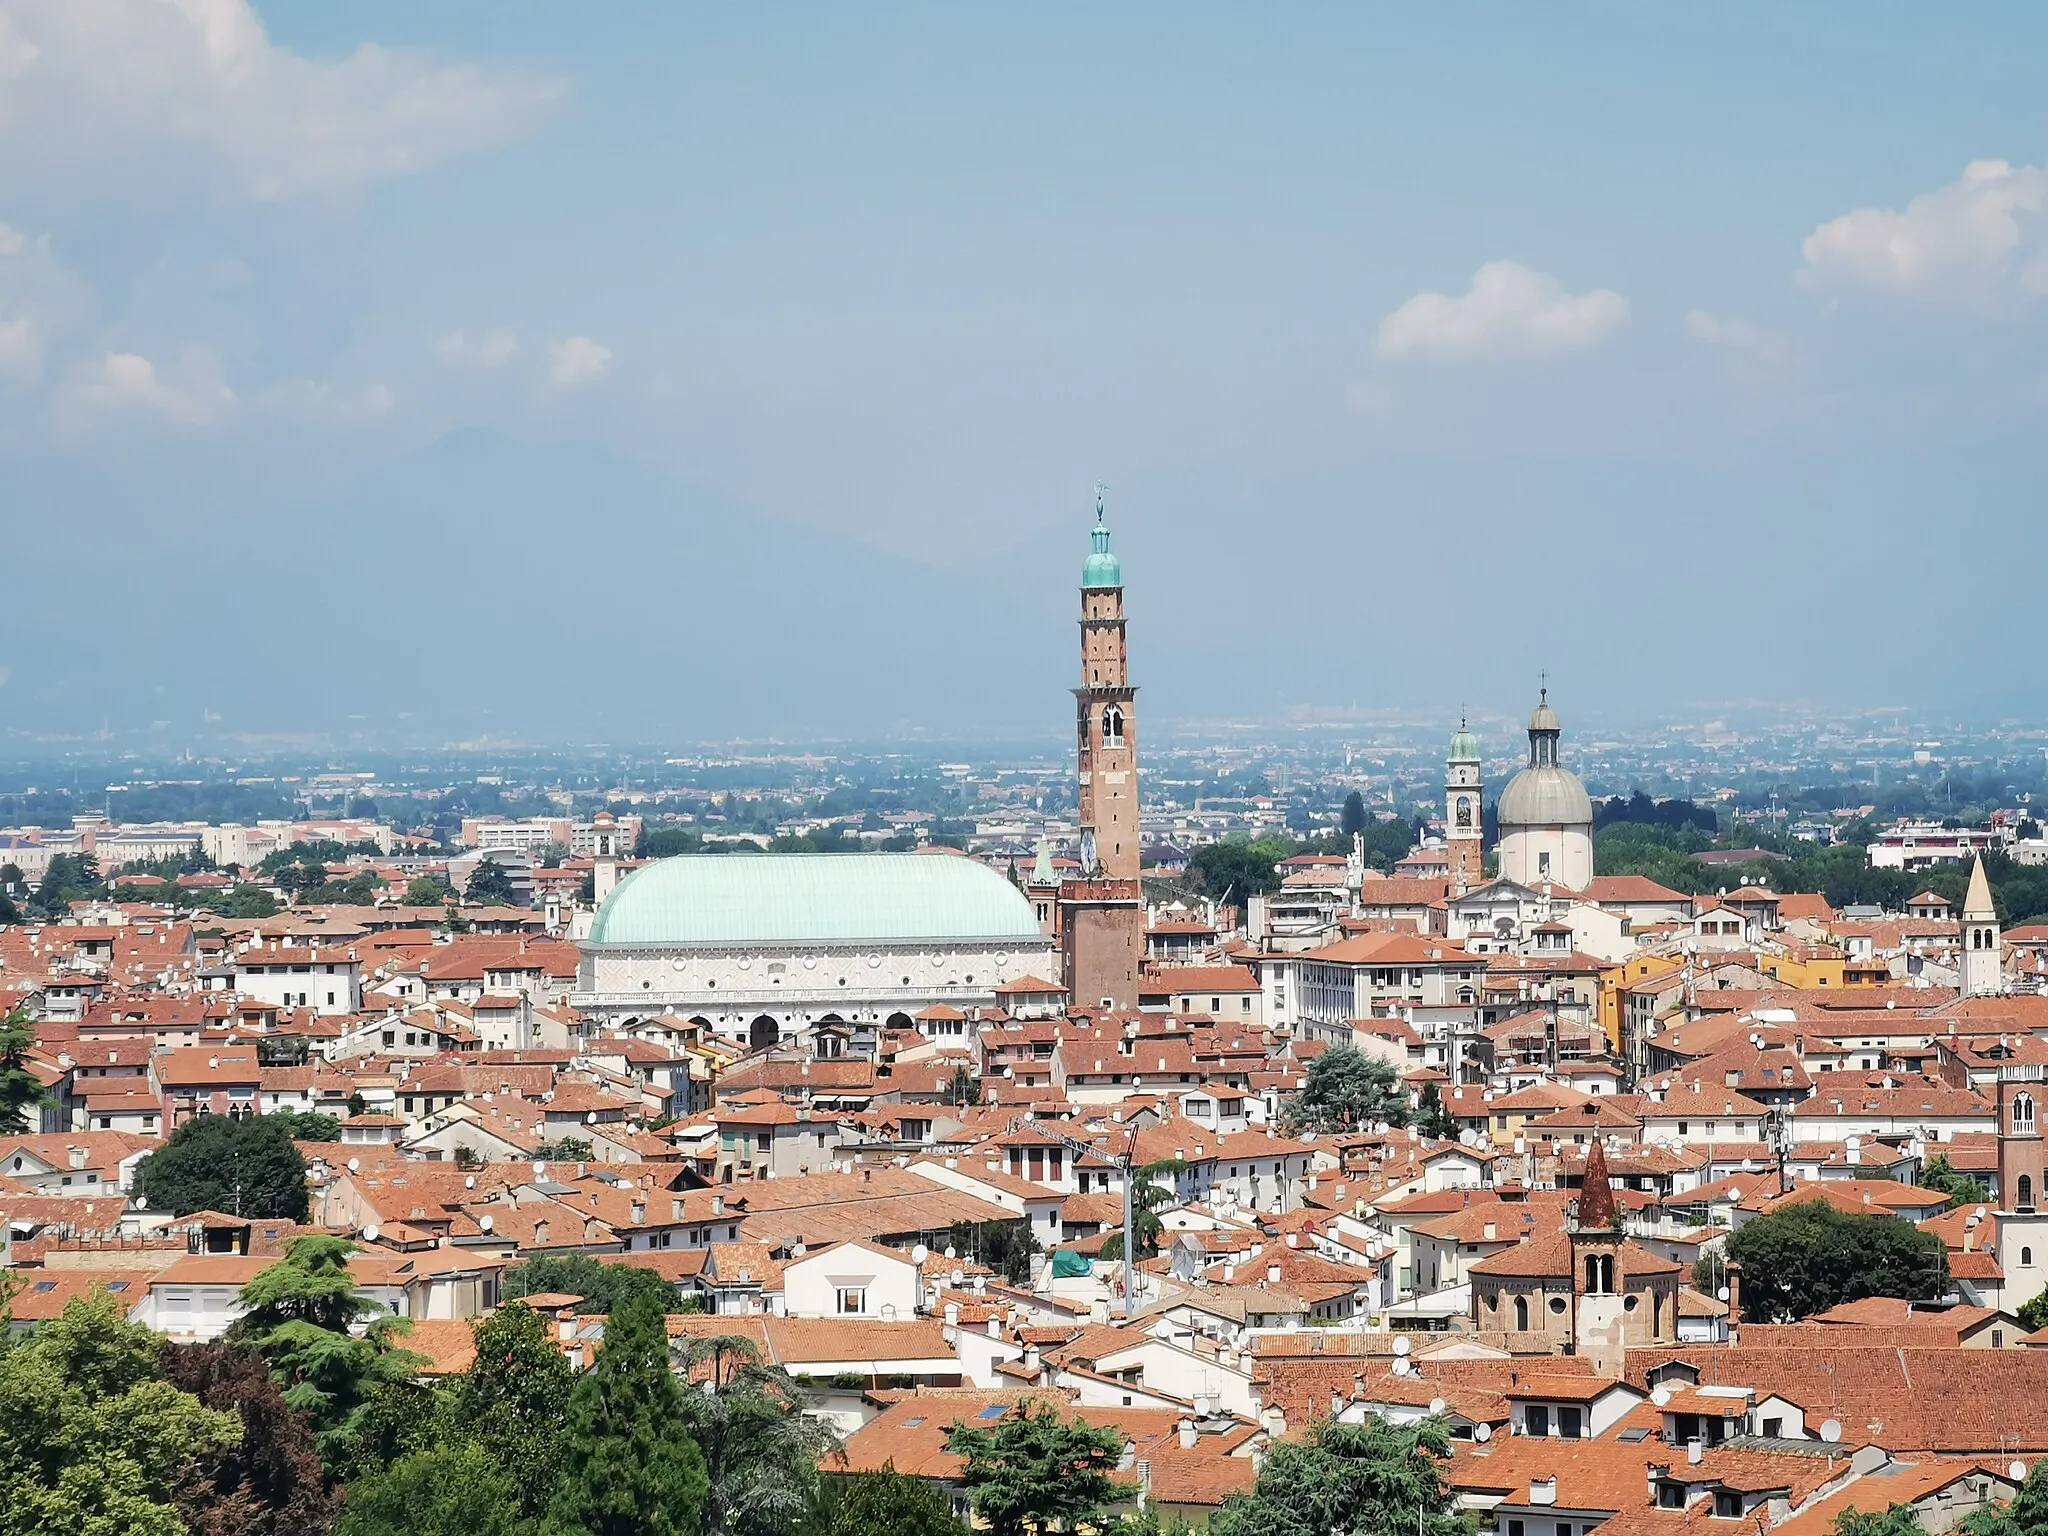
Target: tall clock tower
[1103,915]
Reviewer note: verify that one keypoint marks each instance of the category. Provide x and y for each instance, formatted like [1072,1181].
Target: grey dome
[1544,718]
[1549,796]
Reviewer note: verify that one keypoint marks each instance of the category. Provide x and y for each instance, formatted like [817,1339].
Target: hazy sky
[1695,352]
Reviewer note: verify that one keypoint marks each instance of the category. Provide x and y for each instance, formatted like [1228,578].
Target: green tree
[1036,1472]
[629,1467]
[427,891]
[69,877]
[1893,1520]
[1369,1479]
[305,1125]
[218,1163]
[602,1287]
[451,1490]
[20,1089]
[270,1482]
[1431,1117]
[490,885]
[1148,1194]
[299,1313]
[886,1503]
[92,1438]
[1352,821]
[1344,1089]
[1806,1257]
[511,1398]
[249,901]
[1237,868]
[1710,1273]
[761,1454]
[1941,1177]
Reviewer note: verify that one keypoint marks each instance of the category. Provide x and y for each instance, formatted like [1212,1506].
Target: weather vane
[1100,489]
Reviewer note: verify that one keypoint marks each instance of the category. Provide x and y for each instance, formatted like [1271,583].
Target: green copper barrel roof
[813,898]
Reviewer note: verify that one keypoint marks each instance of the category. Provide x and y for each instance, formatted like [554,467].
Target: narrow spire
[1977,903]
[1596,1196]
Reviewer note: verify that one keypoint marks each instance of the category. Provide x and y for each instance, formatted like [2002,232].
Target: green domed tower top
[1464,746]
[1101,568]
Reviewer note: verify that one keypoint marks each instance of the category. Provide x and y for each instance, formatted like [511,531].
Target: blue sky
[1612,323]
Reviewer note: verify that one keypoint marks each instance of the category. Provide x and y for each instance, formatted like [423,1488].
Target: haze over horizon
[671,373]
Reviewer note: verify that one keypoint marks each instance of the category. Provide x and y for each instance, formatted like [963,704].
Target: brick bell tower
[1464,812]
[1103,915]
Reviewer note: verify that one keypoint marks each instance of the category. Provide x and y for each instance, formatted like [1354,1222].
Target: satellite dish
[488,1222]
[142,1202]
[354,1164]
[1402,1345]
[590,1117]
[950,1253]
[1437,1405]
[2017,1471]
[540,1170]
[1661,1396]
[1482,1433]
[919,1254]
[1722,1293]
[370,1232]
[1831,1432]
[470,1182]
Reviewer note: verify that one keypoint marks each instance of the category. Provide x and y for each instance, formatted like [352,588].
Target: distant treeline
[1640,808]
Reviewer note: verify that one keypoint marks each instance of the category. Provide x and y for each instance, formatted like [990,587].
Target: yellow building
[1615,982]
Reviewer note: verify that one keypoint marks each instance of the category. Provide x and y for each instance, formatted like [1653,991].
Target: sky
[676,371]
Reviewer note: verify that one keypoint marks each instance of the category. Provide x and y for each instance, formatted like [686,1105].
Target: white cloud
[190,392]
[21,347]
[1509,310]
[1962,242]
[11,240]
[578,360]
[489,350]
[1738,337]
[145,93]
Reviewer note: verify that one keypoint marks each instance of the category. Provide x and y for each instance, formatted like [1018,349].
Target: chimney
[1543,1492]
[1694,1452]
[1272,1274]
[995,1327]
[952,1314]
[718,1205]
[1189,1435]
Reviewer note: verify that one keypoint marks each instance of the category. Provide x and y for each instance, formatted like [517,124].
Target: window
[853,1300]
[2023,1112]
[1671,1495]
[1774,1429]
[1568,1422]
[2026,1192]
[2026,1258]
[1521,1314]
[1727,1504]
[1536,1420]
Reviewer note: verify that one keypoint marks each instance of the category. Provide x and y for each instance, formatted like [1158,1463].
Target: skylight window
[992,1411]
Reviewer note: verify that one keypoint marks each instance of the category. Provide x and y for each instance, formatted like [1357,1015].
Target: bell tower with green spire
[1103,921]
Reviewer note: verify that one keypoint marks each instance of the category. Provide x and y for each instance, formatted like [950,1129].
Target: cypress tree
[629,1467]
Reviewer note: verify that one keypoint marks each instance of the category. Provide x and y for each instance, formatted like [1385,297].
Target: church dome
[1101,568]
[1549,796]
[1545,794]
[813,898]
[1464,746]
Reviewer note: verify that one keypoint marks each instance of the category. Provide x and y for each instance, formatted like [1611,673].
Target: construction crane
[1125,1163]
